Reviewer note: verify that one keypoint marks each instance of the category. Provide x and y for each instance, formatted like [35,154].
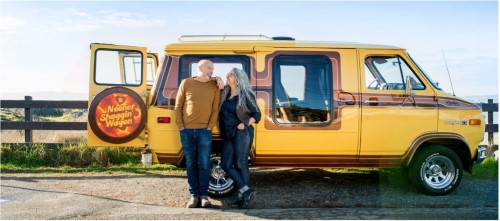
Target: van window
[302,88]
[222,65]
[389,73]
[150,70]
[118,67]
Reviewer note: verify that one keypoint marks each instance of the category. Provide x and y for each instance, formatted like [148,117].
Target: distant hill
[45,95]
[482,98]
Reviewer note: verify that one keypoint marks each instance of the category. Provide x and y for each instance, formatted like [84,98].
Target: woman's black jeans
[234,156]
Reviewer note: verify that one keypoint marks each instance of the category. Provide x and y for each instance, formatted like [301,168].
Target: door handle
[370,102]
[349,102]
[347,98]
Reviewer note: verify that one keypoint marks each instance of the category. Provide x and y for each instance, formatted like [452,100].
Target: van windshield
[434,83]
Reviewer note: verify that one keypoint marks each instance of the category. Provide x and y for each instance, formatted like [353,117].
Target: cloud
[71,19]
[10,23]
[189,21]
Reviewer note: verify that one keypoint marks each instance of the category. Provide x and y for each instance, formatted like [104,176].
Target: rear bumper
[481,154]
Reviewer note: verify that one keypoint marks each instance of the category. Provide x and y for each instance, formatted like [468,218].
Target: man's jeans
[197,147]
[235,156]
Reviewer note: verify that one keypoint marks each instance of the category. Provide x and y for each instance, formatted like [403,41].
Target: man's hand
[241,126]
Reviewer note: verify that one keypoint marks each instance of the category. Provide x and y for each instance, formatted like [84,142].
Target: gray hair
[244,90]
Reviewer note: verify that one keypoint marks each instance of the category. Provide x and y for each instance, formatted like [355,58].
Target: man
[196,111]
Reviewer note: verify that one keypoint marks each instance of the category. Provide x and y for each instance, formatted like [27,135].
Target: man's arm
[179,106]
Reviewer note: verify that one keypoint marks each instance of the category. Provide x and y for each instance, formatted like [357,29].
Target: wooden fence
[28,125]
[491,128]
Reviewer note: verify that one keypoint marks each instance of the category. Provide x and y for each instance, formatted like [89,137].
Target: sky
[44,46]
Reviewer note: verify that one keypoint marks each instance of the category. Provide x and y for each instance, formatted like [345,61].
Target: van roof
[218,45]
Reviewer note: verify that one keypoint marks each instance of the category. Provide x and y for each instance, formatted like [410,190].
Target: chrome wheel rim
[438,172]
[219,180]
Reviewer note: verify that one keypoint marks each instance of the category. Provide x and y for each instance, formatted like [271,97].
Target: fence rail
[28,125]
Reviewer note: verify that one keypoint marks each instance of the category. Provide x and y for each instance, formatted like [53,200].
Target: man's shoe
[193,202]
[205,203]
[248,195]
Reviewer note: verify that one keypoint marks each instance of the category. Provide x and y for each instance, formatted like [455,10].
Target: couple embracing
[198,104]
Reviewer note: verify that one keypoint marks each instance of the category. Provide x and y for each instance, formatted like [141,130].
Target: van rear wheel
[220,184]
[436,170]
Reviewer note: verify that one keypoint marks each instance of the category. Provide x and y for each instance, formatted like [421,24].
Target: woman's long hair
[244,89]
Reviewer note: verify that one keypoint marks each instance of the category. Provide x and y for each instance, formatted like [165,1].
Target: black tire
[221,184]
[435,170]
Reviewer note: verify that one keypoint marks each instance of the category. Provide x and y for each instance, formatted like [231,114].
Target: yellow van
[324,104]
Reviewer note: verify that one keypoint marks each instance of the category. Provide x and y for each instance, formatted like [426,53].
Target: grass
[7,114]
[123,168]
[73,158]
[488,169]
[80,158]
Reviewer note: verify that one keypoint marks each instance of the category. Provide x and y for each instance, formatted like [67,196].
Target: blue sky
[44,46]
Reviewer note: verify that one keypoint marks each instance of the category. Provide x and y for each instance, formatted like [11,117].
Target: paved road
[41,197]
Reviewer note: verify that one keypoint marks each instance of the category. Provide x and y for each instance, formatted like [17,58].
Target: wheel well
[458,146]
[216,146]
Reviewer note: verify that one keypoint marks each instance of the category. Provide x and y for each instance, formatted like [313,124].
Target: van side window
[151,70]
[222,65]
[302,88]
[389,73]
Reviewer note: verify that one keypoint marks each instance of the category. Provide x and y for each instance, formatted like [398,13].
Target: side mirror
[408,86]
[408,91]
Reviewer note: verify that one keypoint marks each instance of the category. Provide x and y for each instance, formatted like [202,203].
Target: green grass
[79,158]
[124,168]
[74,158]
[488,169]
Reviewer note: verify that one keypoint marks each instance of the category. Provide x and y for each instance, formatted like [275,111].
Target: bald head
[205,69]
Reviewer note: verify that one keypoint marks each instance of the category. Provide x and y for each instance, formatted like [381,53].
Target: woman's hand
[251,121]
[241,126]
[220,83]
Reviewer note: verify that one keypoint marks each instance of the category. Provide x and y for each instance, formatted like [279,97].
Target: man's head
[205,68]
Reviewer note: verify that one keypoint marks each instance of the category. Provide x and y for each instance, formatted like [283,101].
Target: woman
[238,111]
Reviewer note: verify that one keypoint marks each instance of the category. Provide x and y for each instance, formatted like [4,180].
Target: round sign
[117,115]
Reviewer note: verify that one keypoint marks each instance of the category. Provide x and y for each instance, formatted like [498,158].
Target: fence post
[28,134]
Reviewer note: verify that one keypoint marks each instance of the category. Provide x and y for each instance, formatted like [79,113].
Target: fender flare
[421,139]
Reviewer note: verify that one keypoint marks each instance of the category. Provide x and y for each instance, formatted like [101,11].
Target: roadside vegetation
[79,158]
[72,158]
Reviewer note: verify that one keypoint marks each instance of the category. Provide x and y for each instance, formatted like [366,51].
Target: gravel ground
[276,189]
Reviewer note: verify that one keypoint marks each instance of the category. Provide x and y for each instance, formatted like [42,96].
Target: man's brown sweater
[197,104]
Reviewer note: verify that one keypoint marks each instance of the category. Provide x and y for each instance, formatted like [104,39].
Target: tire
[436,170]
[220,184]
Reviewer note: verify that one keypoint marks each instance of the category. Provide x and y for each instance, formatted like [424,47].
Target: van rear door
[117,95]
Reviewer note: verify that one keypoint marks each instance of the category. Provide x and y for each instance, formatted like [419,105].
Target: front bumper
[481,154]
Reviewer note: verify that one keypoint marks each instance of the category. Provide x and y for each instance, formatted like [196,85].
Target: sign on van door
[117,95]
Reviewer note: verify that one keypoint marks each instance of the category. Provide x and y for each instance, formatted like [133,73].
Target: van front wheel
[436,170]
[220,184]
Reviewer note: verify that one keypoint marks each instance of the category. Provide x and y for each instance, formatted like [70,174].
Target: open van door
[117,95]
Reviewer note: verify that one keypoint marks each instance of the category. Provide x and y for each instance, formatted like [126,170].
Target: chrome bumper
[481,154]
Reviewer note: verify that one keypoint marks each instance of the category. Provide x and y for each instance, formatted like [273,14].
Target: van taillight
[164,120]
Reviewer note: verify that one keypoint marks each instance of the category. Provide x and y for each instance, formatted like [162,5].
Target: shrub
[74,155]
